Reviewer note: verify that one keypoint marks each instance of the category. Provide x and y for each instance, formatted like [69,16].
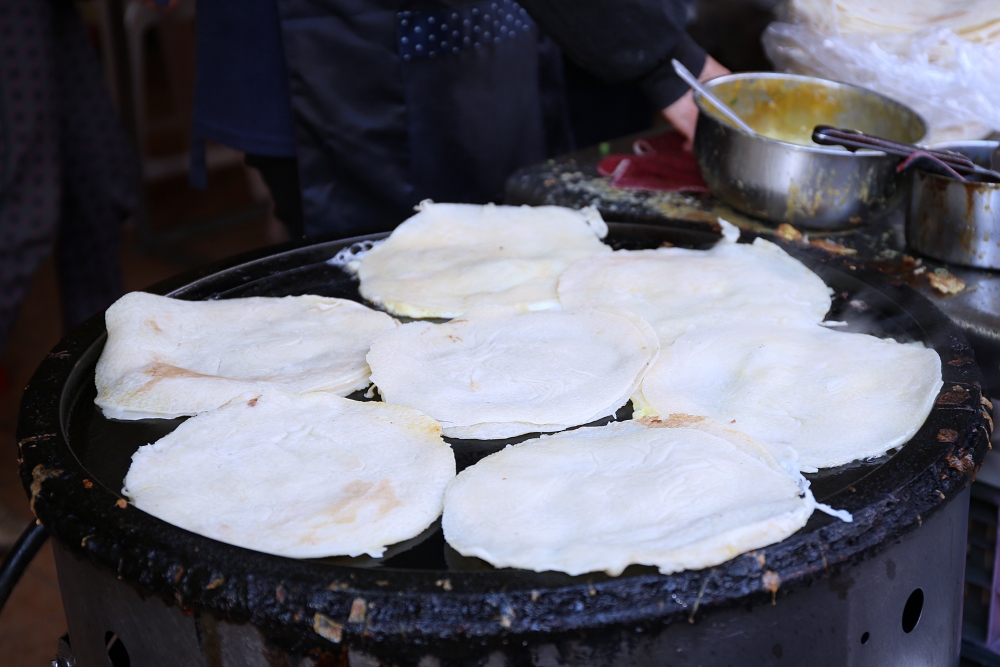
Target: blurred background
[177,227]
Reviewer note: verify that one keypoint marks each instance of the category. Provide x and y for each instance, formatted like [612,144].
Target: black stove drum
[885,589]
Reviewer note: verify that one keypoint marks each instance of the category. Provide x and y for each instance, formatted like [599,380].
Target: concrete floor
[33,618]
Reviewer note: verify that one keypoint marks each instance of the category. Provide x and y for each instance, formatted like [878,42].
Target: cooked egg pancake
[676,288]
[303,476]
[166,357]
[832,397]
[678,494]
[450,258]
[500,371]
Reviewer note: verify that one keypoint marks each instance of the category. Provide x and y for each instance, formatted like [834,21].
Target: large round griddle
[422,591]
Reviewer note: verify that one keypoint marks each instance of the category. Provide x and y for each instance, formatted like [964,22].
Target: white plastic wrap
[946,67]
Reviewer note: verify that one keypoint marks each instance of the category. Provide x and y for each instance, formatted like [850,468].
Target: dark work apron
[394,106]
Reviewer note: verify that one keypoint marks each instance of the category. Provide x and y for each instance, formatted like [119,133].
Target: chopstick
[853,140]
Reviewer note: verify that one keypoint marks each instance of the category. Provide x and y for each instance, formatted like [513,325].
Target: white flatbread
[303,476]
[450,258]
[166,357]
[973,20]
[678,494]
[500,371]
[676,288]
[832,397]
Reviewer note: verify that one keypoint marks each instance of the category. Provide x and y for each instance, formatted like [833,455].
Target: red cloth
[659,163]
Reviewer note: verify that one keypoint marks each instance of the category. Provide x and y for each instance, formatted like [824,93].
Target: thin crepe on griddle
[676,288]
[167,358]
[499,372]
[831,397]
[681,493]
[303,476]
[450,258]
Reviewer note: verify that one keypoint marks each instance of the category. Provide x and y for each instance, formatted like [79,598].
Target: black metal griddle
[424,599]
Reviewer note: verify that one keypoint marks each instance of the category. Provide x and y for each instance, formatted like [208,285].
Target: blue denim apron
[393,106]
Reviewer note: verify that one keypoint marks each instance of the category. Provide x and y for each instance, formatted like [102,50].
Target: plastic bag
[953,83]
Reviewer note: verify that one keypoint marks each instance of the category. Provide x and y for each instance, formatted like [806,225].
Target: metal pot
[955,221]
[797,183]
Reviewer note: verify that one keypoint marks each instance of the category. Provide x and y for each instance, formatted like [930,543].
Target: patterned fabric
[68,176]
[429,33]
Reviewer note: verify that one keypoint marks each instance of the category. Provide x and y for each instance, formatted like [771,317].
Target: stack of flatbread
[973,20]
[735,385]
[940,57]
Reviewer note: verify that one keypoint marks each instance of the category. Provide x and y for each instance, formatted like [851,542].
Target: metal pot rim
[829,83]
[952,145]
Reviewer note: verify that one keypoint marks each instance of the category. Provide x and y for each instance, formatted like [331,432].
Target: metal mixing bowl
[805,185]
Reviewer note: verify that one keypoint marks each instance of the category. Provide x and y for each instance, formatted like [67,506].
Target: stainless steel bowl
[805,185]
[954,221]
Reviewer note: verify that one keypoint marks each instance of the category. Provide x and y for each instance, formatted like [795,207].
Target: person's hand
[683,114]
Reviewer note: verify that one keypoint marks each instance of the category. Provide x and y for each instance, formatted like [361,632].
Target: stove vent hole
[865,637]
[116,650]
[911,611]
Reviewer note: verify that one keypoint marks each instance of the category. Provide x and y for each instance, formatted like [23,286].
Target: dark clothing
[241,96]
[395,101]
[69,176]
[601,111]
[422,112]
[350,115]
[448,101]
[475,100]
[623,40]
[282,177]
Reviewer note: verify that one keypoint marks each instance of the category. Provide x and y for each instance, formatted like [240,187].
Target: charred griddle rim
[308,604]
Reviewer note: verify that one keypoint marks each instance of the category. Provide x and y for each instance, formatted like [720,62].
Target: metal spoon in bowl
[691,80]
